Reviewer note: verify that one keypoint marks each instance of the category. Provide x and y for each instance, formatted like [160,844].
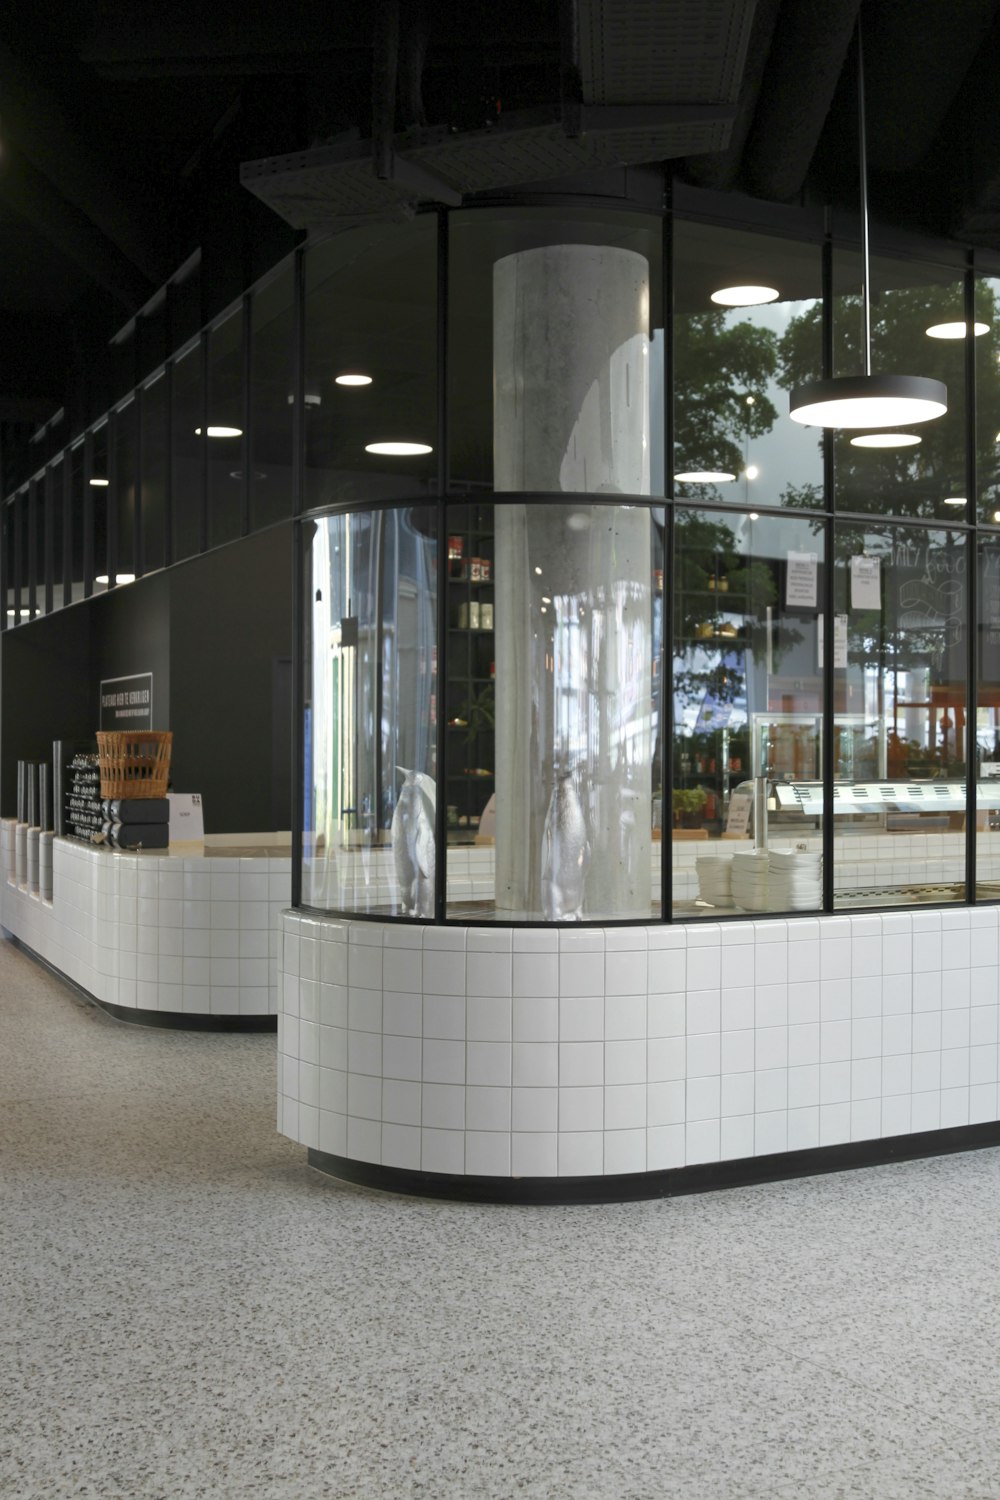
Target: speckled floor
[187,1310]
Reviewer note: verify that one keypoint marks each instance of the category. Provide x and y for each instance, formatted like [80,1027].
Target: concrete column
[573,617]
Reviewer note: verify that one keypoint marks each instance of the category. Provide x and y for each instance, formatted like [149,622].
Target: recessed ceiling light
[311,398]
[754,515]
[538,572]
[704,476]
[353,380]
[751,471]
[398,450]
[886,440]
[119,578]
[956,500]
[956,330]
[100,484]
[546,599]
[220,432]
[12,614]
[744,296]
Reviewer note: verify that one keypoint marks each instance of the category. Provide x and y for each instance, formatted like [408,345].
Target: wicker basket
[134,763]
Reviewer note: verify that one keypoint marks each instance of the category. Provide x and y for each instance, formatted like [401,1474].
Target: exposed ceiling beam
[33,118]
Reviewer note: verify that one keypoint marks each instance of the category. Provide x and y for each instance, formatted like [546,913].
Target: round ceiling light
[956,500]
[869,401]
[956,330]
[220,432]
[100,484]
[705,476]
[398,450]
[886,440]
[744,296]
[119,578]
[348,379]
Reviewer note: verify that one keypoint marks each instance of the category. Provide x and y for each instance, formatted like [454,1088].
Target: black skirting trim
[670,1183]
[168,1020]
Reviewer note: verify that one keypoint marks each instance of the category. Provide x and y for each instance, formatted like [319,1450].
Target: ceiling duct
[654,82]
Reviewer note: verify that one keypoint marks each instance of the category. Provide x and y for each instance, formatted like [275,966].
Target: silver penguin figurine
[412,834]
[565,853]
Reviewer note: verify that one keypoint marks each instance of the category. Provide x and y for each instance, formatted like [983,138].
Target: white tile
[536,974]
[581,1064]
[489,1064]
[488,974]
[866,996]
[702,1141]
[624,1017]
[333,1133]
[400,1102]
[625,1107]
[444,1061]
[535,1109]
[625,1062]
[770,1089]
[834,1040]
[803,961]
[444,1016]
[835,999]
[771,1047]
[581,1018]
[535,1064]
[835,958]
[666,1147]
[926,1111]
[703,1098]
[402,1015]
[401,1146]
[401,1056]
[581,1109]
[736,1137]
[364,1096]
[737,964]
[866,1037]
[834,1082]
[625,973]
[665,1015]
[444,972]
[896,1115]
[927,1031]
[442,1150]
[488,940]
[803,1045]
[666,1058]
[955,1068]
[771,1000]
[925,1073]
[956,1026]
[534,1153]
[624,939]
[866,1120]
[703,1011]
[581,1153]
[487,1153]
[737,1094]
[488,1108]
[704,969]
[982,1102]
[488,1019]
[834,1124]
[926,990]
[770,1132]
[580,974]
[704,1055]
[364,1008]
[667,971]
[954,1107]
[665,1103]
[535,1019]
[803,1003]
[803,1129]
[897,1074]
[442,1106]
[983,1065]
[866,1078]
[401,967]
[624,1151]
[535,940]
[737,1010]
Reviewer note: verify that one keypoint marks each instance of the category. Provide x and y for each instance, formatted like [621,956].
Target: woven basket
[134,763]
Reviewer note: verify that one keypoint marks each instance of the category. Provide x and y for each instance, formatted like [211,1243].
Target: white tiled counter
[183,933]
[531,1053]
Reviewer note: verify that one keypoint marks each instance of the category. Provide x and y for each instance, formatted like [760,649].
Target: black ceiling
[124,126]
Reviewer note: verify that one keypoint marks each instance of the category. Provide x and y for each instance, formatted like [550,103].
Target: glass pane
[370,710]
[987,322]
[100,489]
[900,685]
[273,386]
[988,722]
[36,545]
[735,366]
[225,430]
[746,803]
[188,478]
[926,477]
[54,534]
[125,498]
[550,704]
[155,459]
[76,520]
[508,273]
[370,313]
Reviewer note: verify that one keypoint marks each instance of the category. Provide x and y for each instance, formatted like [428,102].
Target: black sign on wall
[127,702]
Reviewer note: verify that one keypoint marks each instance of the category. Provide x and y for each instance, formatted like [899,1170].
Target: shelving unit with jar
[470,691]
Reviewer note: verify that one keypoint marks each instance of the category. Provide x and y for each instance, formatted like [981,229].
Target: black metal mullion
[88,515]
[138,550]
[49,552]
[298,573]
[828,614]
[247,416]
[168,476]
[32,548]
[972,589]
[667,594]
[20,501]
[112,498]
[203,529]
[441,675]
[67,527]
[298,382]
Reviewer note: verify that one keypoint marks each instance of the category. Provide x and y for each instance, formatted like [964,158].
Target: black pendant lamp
[867,400]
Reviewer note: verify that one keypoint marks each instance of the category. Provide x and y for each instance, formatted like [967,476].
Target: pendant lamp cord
[863,162]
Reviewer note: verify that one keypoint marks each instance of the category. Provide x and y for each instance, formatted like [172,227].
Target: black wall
[216,633]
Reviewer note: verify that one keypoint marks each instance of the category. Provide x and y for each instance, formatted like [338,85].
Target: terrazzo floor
[187,1310]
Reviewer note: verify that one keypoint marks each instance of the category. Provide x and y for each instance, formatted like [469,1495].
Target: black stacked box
[136,822]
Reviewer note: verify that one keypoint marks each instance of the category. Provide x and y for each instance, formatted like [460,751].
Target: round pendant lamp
[867,400]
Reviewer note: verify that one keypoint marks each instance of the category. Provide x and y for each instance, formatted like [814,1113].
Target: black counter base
[672,1182]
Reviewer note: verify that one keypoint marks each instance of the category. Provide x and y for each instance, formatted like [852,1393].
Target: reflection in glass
[988,721]
[987,302]
[370,713]
[225,430]
[900,690]
[188,475]
[734,368]
[155,456]
[125,488]
[272,390]
[370,309]
[926,477]
[746,805]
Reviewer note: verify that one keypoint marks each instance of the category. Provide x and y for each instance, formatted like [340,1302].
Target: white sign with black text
[187,822]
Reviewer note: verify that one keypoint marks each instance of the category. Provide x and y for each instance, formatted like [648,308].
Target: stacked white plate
[795,880]
[750,880]
[715,881]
